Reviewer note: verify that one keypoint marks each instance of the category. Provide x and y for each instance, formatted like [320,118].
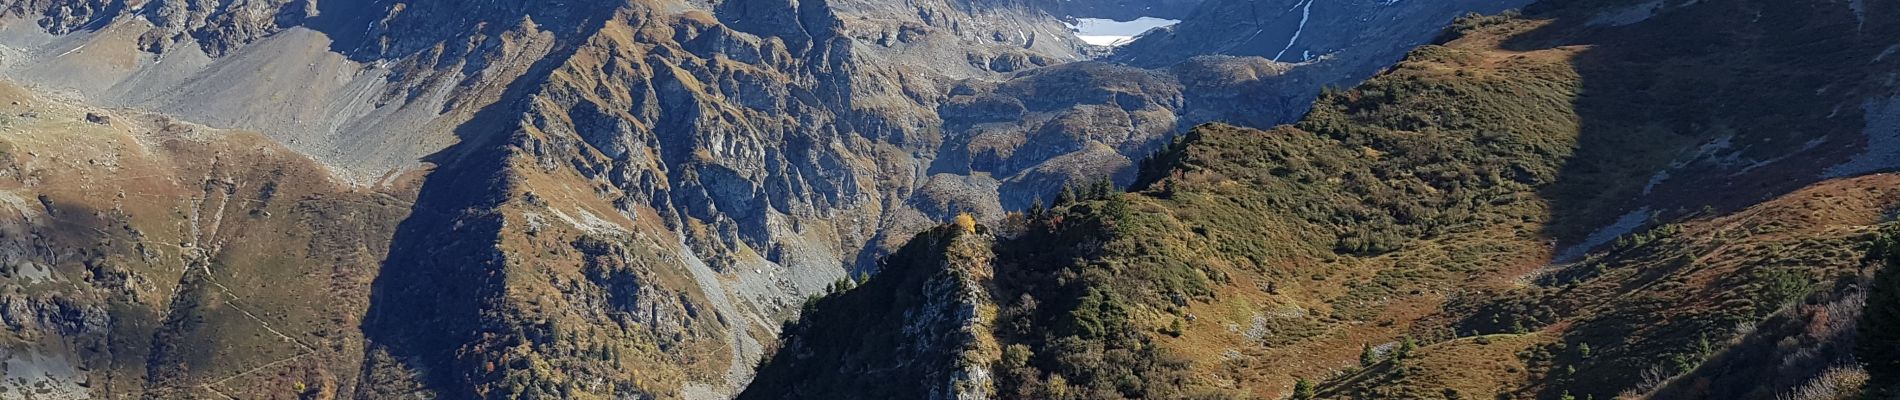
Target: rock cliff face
[933,302]
[601,198]
[1026,137]
[1122,10]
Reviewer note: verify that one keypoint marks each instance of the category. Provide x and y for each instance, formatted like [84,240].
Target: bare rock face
[219,26]
[933,310]
[1122,10]
[60,17]
[1081,122]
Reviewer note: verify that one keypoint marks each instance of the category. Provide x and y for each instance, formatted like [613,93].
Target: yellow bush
[965,223]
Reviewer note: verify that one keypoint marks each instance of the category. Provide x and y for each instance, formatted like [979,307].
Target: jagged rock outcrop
[920,329]
[672,125]
[1122,10]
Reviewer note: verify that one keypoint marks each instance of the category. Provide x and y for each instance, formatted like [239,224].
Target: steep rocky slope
[934,293]
[1591,199]
[1121,10]
[604,199]
[1346,41]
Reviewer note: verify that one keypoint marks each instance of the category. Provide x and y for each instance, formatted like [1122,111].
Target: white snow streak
[1623,226]
[1306,13]
[1888,52]
[1860,13]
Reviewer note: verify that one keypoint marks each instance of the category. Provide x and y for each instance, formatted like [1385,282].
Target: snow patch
[1655,180]
[1623,226]
[1883,141]
[1710,153]
[1110,41]
[1715,154]
[1753,164]
[1108,32]
[1860,12]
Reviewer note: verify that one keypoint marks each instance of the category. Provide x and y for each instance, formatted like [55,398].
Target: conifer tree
[1066,197]
[1406,346]
[1879,343]
[1303,390]
[1102,190]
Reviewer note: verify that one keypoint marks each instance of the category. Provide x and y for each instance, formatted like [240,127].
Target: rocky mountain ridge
[603,199]
[1588,199]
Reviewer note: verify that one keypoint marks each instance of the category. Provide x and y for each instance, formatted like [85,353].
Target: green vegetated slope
[927,296]
[1412,237]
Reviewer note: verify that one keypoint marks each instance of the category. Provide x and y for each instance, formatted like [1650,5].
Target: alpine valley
[949,199]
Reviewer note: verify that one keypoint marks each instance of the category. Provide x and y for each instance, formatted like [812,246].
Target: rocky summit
[836,199]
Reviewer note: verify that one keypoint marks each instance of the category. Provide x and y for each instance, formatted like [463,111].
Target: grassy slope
[1417,204]
[1709,299]
[229,265]
[1714,285]
[1290,249]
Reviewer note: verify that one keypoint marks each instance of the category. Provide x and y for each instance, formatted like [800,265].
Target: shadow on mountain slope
[1691,111]
[1721,105]
[429,308]
[427,302]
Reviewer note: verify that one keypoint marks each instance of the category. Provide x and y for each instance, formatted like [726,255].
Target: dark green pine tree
[1102,189]
[1406,346]
[1303,390]
[1879,343]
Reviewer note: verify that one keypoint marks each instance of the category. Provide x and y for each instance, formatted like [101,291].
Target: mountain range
[748,198]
